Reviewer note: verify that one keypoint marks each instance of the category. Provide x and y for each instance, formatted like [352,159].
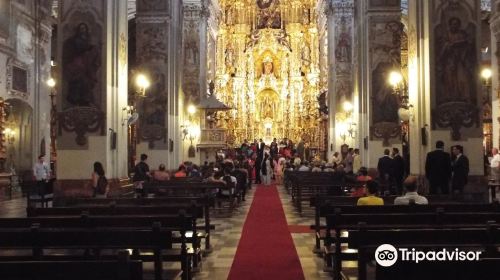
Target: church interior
[249,139]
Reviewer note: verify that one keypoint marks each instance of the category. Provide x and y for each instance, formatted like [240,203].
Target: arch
[19,119]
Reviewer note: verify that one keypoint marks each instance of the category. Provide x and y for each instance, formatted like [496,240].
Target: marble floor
[225,238]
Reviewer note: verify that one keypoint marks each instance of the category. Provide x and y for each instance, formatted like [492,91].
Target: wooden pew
[324,205]
[304,185]
[174,188]
[156,239]
[132,217]
[121,269]
[340,221]
[205,201]
[485,239]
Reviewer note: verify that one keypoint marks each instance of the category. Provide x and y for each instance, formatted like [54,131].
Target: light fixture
[395,78]
[486,73]
[400,88]
[9,135]
[128,114]
[347,106]
[51,82]
[143,83]
[191,109]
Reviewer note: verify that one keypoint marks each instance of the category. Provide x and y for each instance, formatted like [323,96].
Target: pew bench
[156,239]
[485,239]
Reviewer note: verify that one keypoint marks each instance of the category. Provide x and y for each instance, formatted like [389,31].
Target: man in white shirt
[411,193]
[495,164]
[41,172]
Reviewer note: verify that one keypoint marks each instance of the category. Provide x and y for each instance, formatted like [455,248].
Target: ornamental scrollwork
[385,131]
[81,120]
[152,133]
[455,115]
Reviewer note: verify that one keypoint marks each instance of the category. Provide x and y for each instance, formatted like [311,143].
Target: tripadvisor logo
[387,255]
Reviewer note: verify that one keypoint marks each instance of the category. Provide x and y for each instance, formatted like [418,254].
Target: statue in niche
[268,14]
[264,4]
[268,67]
[81,62]
[229,57]
[306,55]
[456,64]
[267,108]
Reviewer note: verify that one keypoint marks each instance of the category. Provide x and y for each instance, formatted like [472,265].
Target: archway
[19,120]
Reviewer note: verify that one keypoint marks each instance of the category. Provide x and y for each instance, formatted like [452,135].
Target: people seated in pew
[100,184]
[371,195]
[181,172]
[161,174]
[195,172]
[230,180]
[317,167]
[411,194]
[328,168]
[362,178]
[304,166]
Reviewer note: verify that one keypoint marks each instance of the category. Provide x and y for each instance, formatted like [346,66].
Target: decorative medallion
[455,115]
[385,131]
[81,120]
[152,133]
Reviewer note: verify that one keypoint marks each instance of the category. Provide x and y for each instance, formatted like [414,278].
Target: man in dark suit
[385,169]
[258,160]
[438,169]
[398,170]
[460,169]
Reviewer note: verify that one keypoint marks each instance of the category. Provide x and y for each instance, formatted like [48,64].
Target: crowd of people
[259,163]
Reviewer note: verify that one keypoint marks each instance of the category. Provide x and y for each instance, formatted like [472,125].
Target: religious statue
[268,14]
[267,108]
[268,67]
[191,53]
[306,55]
[229,56]
[264,4]
[456,64]
[81,62]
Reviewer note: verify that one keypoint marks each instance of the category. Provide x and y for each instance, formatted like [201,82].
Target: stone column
[91,94]
[380,46]
[341,29]
[495,67]
[455,93]
[152,46]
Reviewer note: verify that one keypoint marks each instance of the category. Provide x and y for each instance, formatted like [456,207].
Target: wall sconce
[486,77]
[129,115]
[400,88]
[9,135]
[142,83]
[347,130]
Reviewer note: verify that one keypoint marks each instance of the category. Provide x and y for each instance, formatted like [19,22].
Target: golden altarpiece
[267,71]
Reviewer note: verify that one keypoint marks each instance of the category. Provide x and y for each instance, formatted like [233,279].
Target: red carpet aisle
[266,249]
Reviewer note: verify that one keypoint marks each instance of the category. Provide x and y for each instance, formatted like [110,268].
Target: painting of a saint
[268,67]
[343,50]
[81,62]
[385,102]
[456,64]
[264,4]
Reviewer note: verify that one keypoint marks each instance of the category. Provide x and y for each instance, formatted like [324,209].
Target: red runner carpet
[266,249]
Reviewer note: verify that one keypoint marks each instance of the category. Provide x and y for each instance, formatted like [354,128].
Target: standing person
[348,161]
[300,152]
[41,172]
[266,170]
[460,168]
[398,170]
[141,175]
[356,162]
[278,169]
[495,165]
[100,184]
[438,169]
[384,168]
[336,160]
[274,149]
